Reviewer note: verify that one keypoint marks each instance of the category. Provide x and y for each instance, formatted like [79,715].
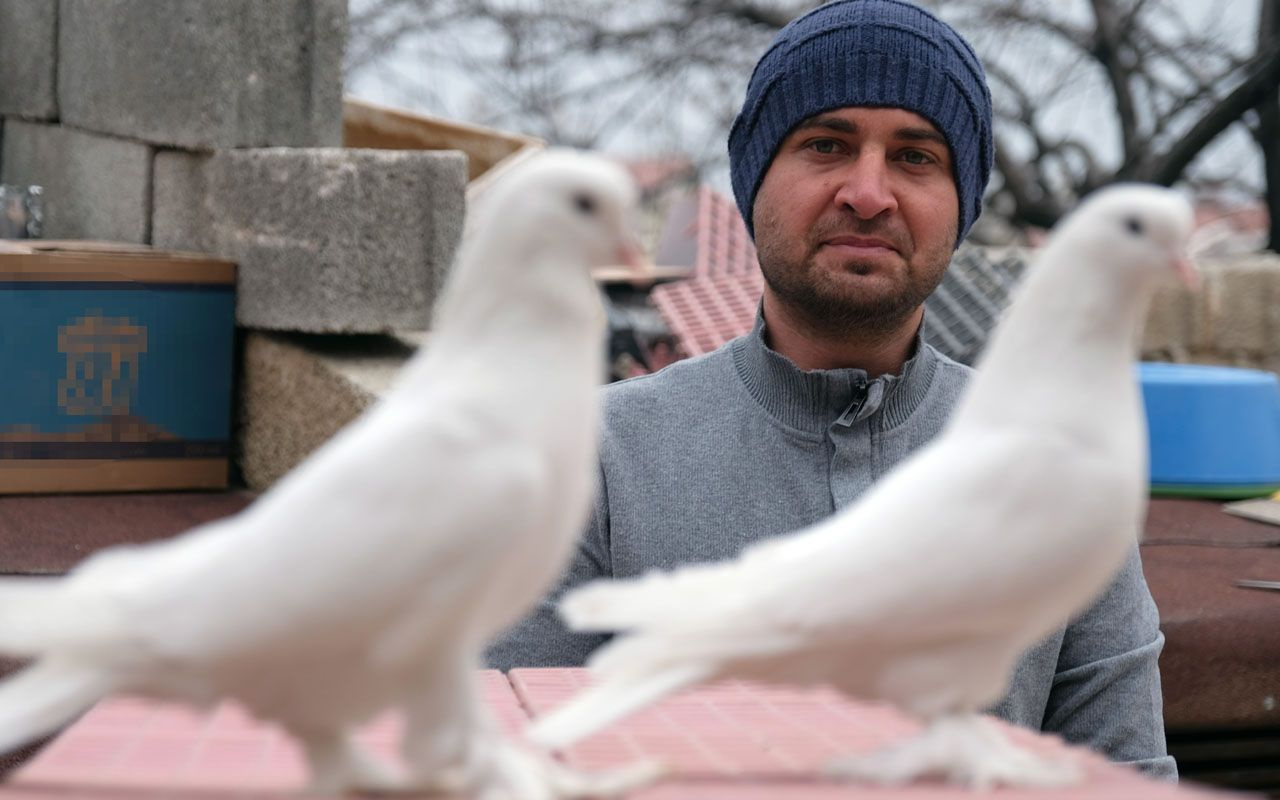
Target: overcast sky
[396,81]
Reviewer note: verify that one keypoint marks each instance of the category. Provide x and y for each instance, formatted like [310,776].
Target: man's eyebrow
[913,133]
[917,134]
[830,123]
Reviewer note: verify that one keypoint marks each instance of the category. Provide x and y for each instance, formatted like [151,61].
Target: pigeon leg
[962,749]
[448,732]
[340,766]
[521,774]
[453,745]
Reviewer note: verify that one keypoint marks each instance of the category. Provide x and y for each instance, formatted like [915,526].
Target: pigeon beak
[632,255]
[1186,271]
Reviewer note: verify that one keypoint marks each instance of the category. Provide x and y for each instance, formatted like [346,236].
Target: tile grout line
[521,700]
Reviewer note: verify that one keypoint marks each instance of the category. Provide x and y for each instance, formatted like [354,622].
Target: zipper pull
[850,414]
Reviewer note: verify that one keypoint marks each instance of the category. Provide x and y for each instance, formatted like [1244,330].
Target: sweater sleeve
[541,639]
[1106,691]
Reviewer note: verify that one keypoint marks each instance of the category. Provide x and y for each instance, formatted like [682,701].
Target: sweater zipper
[850,414]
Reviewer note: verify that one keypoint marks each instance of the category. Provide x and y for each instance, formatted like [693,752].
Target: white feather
[46,696]
[372,575]
[926,590]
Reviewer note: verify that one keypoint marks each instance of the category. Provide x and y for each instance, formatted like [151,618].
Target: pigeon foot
[340,768]
[519,774]
[964,750]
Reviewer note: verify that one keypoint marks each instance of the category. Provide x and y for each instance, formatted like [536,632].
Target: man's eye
[917,157]
[824,146]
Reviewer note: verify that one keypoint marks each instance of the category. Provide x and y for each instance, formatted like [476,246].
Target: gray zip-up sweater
[715,453]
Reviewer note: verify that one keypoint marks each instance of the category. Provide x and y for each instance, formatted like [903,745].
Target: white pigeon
[372,576]
[926,591]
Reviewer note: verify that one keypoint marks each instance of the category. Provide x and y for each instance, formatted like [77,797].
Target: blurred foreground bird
[373,574]
[926,591]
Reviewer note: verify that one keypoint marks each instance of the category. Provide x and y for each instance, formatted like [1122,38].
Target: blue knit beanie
[885,53]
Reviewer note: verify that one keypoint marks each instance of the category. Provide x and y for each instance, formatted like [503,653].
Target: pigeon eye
[585,203]
[1133,225]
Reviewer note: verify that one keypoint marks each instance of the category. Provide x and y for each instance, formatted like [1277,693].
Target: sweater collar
[814,400]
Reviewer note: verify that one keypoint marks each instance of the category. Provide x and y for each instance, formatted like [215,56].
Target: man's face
[856,218]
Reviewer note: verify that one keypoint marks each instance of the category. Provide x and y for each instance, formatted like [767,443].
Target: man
[858,161]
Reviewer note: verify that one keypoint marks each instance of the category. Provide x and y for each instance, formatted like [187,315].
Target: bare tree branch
[1261,80]
[1032,205]
[1267,130]
[1109,50]
[1156,83]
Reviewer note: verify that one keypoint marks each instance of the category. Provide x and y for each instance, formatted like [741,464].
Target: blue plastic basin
[1212,428]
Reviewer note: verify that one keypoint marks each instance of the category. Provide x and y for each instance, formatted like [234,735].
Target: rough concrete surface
[28,58]
[95,187]
[204,74]
[328,240]
[298,391]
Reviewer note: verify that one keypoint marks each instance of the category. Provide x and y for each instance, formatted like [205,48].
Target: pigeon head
[562,197]
[533,237]
[1145,228]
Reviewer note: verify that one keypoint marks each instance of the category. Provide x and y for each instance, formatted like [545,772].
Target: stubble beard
[834,304]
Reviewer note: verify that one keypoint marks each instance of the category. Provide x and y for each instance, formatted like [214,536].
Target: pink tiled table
[134,748]
[723,741]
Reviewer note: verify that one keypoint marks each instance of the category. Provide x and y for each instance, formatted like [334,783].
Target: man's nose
[865,186]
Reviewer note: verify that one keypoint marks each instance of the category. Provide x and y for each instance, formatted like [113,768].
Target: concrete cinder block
[28,58]
[1234,320]
[95,187]
[1243,296]
[204,74]
[1170,329]
[328,240]
[298,391]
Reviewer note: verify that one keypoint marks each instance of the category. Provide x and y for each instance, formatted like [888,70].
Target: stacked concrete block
[204,74]
[28,58]
[1245,297]
[1234,319]
[1174,320]
[95,187]
[297,391]
[328,240]
[216,126]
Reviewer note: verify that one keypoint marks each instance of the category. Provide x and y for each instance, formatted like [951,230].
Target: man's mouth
[860,246]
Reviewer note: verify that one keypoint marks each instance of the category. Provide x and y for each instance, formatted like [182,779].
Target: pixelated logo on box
[135,373]
[103,355]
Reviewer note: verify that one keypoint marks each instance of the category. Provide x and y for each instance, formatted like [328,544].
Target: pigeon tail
[39,616]
[46,696]
[603,606]
[652,600]
[606,703]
